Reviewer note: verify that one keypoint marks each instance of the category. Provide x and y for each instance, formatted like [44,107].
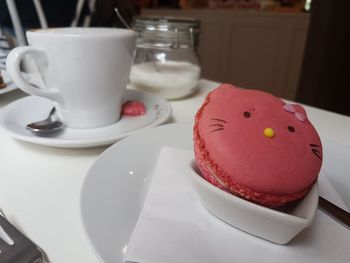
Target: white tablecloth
[40,186]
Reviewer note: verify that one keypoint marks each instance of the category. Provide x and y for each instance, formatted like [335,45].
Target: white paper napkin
[174,227]
[327,191]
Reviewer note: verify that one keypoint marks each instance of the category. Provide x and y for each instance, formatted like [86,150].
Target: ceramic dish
[269,224]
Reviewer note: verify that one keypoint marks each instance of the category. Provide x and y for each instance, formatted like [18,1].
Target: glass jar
[166,61]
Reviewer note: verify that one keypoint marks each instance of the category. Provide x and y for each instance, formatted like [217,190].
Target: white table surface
[40,186]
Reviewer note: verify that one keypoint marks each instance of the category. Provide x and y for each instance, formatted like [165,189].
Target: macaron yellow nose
[269,132]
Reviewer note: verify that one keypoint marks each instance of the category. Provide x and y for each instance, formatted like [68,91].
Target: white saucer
[15,116]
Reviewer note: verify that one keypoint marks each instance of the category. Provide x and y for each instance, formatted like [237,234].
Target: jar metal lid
[154,23]
[179,31]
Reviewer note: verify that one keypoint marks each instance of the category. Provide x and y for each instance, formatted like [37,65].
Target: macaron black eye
[246,114]
[291,129]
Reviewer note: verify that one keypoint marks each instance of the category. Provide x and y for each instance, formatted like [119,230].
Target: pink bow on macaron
[300,115]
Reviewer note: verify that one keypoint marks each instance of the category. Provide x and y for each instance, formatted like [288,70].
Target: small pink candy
[133,108]
[289,107]
[300,116]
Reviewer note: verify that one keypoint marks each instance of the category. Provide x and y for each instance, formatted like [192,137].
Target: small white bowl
[260,221]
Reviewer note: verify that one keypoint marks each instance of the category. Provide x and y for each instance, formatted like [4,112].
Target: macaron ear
[230,87]
[227,85]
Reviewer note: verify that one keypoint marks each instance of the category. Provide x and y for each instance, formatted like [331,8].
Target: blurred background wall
[325,69]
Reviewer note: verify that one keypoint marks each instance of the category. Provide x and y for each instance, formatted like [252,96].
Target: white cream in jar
[169,79]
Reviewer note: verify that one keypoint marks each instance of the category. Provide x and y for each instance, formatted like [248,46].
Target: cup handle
[13,62]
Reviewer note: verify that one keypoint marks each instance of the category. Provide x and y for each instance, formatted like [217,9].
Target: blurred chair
[104,15]
[17,16]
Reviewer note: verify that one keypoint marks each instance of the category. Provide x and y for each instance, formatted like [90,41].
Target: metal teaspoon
[48,126]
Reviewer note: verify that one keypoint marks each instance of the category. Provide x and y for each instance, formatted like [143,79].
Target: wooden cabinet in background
[251,49]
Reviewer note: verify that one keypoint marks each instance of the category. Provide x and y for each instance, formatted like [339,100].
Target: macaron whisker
[215,119]
[317,153]
[218,124]
[218,129]
[314,145]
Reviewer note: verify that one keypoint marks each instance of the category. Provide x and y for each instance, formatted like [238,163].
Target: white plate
[9,87]
[116,185]
[15,116]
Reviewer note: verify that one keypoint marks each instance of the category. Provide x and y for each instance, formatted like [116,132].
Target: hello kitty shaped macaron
[252,144]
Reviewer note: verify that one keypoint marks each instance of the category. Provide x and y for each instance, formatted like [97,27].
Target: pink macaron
[253,145]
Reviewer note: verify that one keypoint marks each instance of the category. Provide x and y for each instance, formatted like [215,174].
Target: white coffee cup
[85,71]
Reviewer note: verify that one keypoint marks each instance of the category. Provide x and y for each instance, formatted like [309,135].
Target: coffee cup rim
[81,31]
